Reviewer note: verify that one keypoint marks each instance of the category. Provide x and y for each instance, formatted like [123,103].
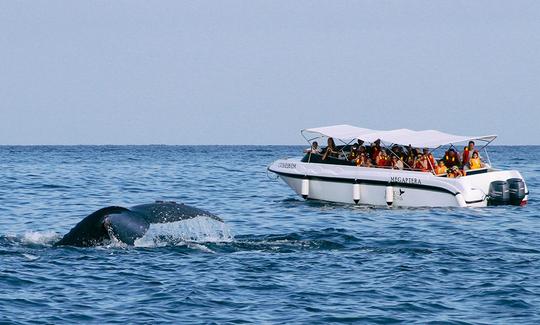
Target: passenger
[431,160]
[362,160]
[396,150]
[387,158]
[397,163]
[475,162]
[455,172]
[375,149]
[412,157]
[409,150]
[362,149]
[441,168]
[466,152]
[381,159]
[330,149]
[353,154]
[314,148]
[421,163]
[451,158]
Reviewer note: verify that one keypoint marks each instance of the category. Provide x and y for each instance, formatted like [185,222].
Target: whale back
[164,212]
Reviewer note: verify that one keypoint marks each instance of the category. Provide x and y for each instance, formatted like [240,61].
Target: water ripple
[289,261]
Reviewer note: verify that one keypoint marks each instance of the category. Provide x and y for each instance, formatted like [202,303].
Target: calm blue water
[289,261]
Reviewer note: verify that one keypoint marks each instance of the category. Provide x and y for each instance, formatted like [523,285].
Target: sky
[257,72]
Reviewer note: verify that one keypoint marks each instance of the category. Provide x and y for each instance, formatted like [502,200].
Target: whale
[126,225]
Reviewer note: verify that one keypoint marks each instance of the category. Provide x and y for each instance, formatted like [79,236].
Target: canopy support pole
[399,158]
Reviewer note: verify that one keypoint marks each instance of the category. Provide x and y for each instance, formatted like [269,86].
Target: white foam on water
[200,229]
[200,247]
[40,237]
[30,257]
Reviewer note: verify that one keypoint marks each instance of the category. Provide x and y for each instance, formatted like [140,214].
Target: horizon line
[203,144]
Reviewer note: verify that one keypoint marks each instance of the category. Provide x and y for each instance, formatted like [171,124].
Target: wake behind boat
[397,168]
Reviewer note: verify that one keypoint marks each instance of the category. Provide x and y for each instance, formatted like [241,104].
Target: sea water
[276,259]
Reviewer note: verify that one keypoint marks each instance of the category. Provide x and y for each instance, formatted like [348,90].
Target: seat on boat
[476,171]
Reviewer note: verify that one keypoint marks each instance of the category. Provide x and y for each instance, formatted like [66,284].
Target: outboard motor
[516,187]
[499,193]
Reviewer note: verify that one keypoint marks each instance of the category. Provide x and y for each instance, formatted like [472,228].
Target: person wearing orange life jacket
[466,153]
[381,159]
[451,158]
[431,160]
[475,162]
[375,149]
[441,169]
[388,159]
[421,163]
[362,160]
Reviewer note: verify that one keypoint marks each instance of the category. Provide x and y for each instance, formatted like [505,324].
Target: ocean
[277,259]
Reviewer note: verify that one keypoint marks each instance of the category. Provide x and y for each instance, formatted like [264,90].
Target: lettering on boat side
[405,180]
[287,165]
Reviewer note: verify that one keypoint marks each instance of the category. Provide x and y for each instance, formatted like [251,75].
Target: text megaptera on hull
[127,225]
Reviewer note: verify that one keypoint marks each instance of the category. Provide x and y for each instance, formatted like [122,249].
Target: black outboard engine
[499,193]
[516,187]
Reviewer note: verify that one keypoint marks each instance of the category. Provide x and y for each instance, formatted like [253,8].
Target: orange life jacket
[440,170]
[419,165]
[432,161]
[374,152]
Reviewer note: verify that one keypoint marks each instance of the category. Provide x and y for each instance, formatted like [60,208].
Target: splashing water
[196,230]
[39,237]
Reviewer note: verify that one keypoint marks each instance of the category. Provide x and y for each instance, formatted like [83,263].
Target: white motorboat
[337,179]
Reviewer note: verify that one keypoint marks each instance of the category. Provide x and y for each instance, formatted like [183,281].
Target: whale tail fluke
[127,225]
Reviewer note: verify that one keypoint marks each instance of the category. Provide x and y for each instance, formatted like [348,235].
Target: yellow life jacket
[475,163]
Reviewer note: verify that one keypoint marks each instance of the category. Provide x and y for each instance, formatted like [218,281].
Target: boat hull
[383,187]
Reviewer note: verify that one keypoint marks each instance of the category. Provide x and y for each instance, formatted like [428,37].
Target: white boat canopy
[418,139]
